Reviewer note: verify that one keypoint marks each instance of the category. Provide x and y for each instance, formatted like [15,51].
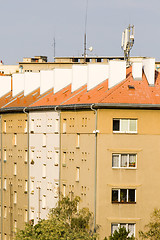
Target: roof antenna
[54,48]
[127,42]
[85,35]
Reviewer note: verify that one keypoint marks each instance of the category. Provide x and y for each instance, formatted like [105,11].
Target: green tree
[153,227]
[121,234]
[64,222]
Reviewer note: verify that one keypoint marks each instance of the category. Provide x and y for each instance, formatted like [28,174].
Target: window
[5,211]
[123,196]
[25,126]
[15,226]
[32,157]
[44,202]
[32,214]
[5,184]
[124,160]
[15,197]
[64,190]
[125,125]
[26,186]
[56,189]
[25,215]
[77,140]
[32,187]
[32,126]
[128,226]
[64,159]
[5,126]
[5,155]
[56,130]
[15,139]
[44,168]
[44,140]
[26,156]
[77,174]
[15,169]
[64,125]
[56,158]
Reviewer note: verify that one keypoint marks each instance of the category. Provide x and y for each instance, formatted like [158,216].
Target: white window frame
[120,156]
[77,174]
[44,170]
[26,186]
[5,184]
[44,202]
[44,143]
[32,126]
[120,124]
[25,215]
[15,197]
[5,155]
[56,130]
[56,158]
[127,227]
[119,195]
[78,140]
[56,190]
[64,126]
[15,169]
[5,126]
[15,139]
[26,126]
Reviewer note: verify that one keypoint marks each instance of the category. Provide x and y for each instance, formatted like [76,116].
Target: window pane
[131,195]
[115,160]
[114,228]
[123,225]
[124,158]
[133,125]
[123,195]
[124,125]
[114,195]
[132,160]
[116,125]
[131,229]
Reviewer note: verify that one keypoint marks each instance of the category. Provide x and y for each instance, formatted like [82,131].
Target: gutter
[28,158]
[1,186]
[59,114]
[95,167]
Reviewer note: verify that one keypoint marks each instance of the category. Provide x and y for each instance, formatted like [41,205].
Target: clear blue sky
[27,28]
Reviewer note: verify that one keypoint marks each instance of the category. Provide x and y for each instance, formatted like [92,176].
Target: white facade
[43,163]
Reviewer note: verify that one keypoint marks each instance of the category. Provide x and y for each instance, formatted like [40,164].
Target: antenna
[54,44]
[127,42]
[85,35]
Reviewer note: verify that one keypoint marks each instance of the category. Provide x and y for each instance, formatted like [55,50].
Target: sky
[27,28]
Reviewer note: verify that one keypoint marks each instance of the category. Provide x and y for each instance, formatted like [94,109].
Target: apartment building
[100,120]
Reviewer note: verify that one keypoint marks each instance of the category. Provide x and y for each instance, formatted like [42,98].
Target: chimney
[117,72]
[97,73]
[137,70]
[149,69]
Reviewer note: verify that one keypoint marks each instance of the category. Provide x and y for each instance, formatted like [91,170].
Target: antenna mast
[127,42]
[85,35]
[54,44]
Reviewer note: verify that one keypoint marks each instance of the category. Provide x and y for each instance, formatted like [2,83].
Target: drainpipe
[95,166]
[1,185]
[59,180]
[24,110]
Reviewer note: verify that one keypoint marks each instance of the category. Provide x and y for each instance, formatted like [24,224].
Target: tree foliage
[153,227]
[121,234]
[64,222]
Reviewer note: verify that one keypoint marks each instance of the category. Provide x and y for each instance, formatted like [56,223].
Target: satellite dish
[91,49]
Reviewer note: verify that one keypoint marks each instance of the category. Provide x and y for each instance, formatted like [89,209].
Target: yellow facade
[141,178]
[14,207]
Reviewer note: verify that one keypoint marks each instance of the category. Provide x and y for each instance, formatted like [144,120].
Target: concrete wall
[43,170]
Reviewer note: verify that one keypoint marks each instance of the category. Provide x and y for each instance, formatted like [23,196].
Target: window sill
[124,202]
[119,132]
[124,168]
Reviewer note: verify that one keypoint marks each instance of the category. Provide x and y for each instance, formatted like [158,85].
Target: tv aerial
[127,42]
